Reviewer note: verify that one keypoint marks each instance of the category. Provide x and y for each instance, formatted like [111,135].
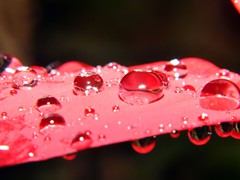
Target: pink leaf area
[76,106]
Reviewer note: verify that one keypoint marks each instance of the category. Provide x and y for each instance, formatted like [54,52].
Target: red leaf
[55,114]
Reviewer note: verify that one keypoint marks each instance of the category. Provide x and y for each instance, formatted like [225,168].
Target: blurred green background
[128,32]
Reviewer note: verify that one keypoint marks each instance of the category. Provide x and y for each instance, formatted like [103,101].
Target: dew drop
[203,117]
[144,145]
[200,135]
[220,94]
[89,111]
[115,108]
[224,129]
[176,69]
[51,120]
[87,83]
[70,156]
[48,104]
[13,92]
[236,130]
[82,141]
[175,134]
[141,87]
[24,77]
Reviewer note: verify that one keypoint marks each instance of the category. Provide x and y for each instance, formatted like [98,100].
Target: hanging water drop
[175,134]
[200,135]
[24,77]
[224,129]
[48,104]
[141,87]
[70,156]
[176,69]
[236,130]
[81,141]
[220,94]
[87,83]
[144,145]
[51,120]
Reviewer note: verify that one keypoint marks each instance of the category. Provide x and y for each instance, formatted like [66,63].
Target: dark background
[129,32]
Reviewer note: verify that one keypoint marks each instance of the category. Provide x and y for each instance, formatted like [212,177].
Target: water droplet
[141,87]
[8,63]
[70,156]
[144,145]
[48,104]
[220,94]
[24,77]
[13,92]
[224,129]
[51,120]
[81,141]
[200,135]
[89,111]
[176,69]
[161,127]
[189,88]
[203,117]
[175,134]
[101,137]
[4,115]
[87,83]
[236,130]
[224,73]
[115,108]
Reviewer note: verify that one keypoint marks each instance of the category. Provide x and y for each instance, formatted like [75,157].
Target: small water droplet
[176,69]
[141,87]
[115,108]
[89,111]
[189,88]
[13,92]
[4,115]
[24,77]
[200,135]
[203,117]
[70,156]
[101,137]
[51,120]
[47,139]
[144,145]
[87,83]
[81,141]
[236,130]
[161,127]
[175,134]
[220,94]
[224,73]
[48,104]
[224,129]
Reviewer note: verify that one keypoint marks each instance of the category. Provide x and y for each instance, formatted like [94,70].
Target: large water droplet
[24,77]
[144,145]
[200,135]
[48,104]
[141,87]
[220,94]
[51,120]
[236,130]
[176,69]
[87,83]
[81,141]
[224,129]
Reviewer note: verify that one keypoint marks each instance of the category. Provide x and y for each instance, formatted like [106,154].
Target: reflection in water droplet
[175,134]
[224,129]
[176,69]
[81,141]
[236,130]
[200,135]
[70,157]
[48,104]
[220,94]
[87,83]
[141,87]
[144,145]
[51,120]
[24,77]
[89,111]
